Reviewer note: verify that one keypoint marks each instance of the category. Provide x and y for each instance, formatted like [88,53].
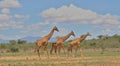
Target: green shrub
[14,49]
[2,46]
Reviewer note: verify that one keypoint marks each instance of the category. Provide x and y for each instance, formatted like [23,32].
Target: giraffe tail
[35,48]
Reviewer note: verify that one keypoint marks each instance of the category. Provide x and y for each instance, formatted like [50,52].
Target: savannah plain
[95,52]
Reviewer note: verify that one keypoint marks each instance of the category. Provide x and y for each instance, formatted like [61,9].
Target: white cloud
[10,24]
[7,22]
[106,19]
[108,30]
[69,14]
[5,11]
[9,4]
[4,37]
[21,16]
[78,15]
[35,26]
[62,32]
[119,26]
[36,29]
[4,17]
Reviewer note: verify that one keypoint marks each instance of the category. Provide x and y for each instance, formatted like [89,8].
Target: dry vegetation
[88,59]
[23,55]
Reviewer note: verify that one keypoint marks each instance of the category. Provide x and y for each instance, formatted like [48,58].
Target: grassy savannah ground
[87,59]
[95,52]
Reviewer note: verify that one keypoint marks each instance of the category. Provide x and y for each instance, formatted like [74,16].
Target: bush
[2,46]
[13,42]
[14,49]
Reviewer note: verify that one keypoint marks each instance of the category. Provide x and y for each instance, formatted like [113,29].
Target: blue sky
[21,18]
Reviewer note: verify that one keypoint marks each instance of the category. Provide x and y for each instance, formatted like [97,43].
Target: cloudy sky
[21,18]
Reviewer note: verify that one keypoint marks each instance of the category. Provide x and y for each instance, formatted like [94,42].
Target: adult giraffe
[76,42]
[44,41]
[60,43]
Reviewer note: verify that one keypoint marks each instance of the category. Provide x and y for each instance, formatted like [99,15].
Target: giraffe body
[76,42]
[44,41]
[60,43]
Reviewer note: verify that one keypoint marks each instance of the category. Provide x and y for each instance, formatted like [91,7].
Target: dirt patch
[54,60]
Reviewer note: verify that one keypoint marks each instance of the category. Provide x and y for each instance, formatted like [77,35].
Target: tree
[103,44]
[100,36]
[93,44]
[14,49]
[21,41]
[119,40]
[12,41]
[116,35]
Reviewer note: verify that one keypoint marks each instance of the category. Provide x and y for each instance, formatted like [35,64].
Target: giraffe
[76,42]
[44,41]
[60,43]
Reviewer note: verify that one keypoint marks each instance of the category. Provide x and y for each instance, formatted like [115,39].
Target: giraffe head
[88,34]
[72,33]
[56,29]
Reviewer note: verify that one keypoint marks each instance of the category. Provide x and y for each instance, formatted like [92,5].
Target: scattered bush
[14,49]
[2,46]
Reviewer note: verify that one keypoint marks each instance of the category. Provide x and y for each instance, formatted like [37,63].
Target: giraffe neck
[66,37]
[50,34]
[83,38]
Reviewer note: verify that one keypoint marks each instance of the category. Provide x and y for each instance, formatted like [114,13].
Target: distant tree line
[19,41]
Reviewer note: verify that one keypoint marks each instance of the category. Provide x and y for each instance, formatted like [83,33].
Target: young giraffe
[76,42]
[44,41]
[60,43]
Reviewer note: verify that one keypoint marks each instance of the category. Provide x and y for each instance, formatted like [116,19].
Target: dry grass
[59,61]
[89,58]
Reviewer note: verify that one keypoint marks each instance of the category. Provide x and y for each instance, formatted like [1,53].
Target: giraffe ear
[89,34]
[55,27]
[73,33]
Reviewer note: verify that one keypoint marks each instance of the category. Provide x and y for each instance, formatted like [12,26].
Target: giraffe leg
[77,49]
[46,49]
[38,53]
[70,50]
[52,48]
[55,49]
[37,49]
[63,49]
[59,48]
[81,52]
